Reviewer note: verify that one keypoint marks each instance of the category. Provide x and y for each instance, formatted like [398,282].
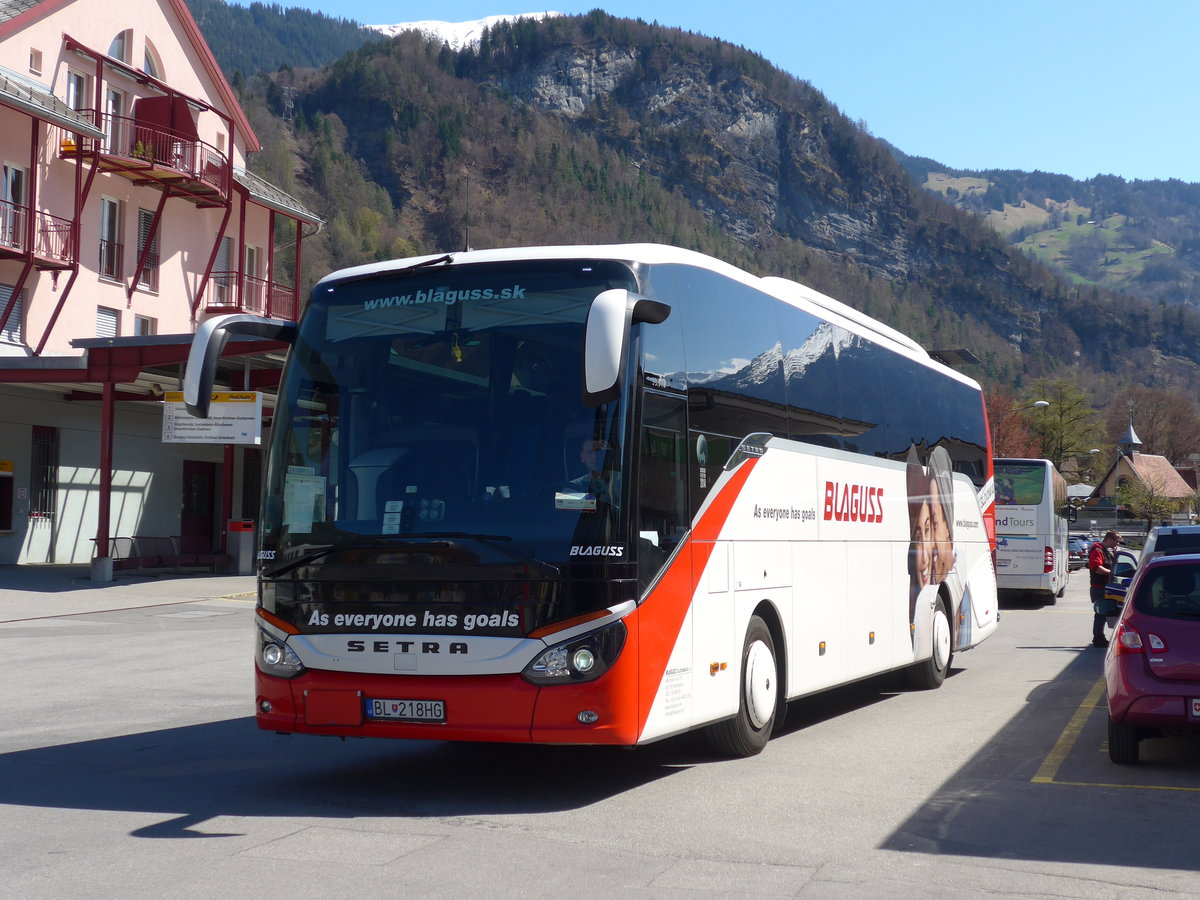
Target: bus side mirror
[606,340]
[208,344]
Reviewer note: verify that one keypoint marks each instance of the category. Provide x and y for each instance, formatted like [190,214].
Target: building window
[12,207]
[119,48]
[150,62]
[111,250]
[108,322]
[10,332]
[144,325]
[116,126]
[254,295]
[79,94]
[43,499]
[222,278]
[148,235]
[35,61]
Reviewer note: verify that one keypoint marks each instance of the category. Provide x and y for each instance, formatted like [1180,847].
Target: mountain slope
[600,129]
[1141,237]
[281,37]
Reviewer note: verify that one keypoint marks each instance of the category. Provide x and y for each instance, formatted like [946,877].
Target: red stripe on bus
[661,615]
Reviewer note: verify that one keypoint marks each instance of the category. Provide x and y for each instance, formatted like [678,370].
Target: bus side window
[662,485]
[810,350]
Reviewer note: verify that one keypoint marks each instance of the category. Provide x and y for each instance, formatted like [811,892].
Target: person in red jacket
[1101,559]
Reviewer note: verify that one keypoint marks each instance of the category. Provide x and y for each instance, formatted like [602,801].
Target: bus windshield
[443,404]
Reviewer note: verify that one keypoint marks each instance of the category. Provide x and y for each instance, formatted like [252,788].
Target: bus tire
[747,733]
[930,673]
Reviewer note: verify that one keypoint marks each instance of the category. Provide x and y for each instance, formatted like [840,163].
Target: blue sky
[1072,87]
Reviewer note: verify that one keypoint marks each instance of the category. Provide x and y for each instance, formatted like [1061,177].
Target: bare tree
[1166,422]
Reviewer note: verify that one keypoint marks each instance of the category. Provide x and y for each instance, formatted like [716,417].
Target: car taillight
[1127,640]
[1049,564]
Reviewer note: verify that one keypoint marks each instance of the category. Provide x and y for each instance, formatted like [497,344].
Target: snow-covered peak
[457,34]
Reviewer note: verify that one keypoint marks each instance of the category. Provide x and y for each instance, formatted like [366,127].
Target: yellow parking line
[1050,765]
[1066,741]
[1141,787]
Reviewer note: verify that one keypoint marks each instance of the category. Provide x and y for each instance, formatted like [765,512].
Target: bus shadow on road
[229,768]
[1044,789]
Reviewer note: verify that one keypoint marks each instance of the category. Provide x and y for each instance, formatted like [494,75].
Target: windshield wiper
[487,539]
[314,552]
[362,541]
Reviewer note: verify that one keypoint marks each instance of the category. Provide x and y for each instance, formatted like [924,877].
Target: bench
[142,553]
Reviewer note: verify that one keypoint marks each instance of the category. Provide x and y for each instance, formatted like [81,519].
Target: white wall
[147,474]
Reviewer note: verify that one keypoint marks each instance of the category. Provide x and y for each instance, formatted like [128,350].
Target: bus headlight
[276,658]
[579,659]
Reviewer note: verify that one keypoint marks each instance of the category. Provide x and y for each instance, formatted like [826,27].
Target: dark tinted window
[957,408]
[1177,542]
[731,345]
[908,423]
[1171,591]
[754,364]
[864,404]
[810,352]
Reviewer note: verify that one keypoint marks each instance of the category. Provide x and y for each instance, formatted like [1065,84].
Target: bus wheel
[748,732]
[930,673]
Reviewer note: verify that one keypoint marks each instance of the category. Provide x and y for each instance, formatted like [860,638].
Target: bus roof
[783,289]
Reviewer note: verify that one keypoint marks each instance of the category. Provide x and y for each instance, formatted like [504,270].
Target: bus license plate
[1195,704]
[407,710]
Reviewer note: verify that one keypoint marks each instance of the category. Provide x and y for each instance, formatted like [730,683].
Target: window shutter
[145,223]
[106,322]
[12,328]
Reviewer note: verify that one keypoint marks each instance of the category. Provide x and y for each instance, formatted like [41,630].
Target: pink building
[127,216]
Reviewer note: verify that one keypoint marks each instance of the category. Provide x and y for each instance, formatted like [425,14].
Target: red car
[1152,668]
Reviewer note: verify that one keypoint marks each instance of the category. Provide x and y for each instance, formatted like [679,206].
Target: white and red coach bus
[603,495]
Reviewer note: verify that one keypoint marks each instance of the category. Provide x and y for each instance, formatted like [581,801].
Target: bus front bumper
[499,708]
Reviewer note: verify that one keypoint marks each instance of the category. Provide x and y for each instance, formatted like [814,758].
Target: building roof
[1158,473]
[10,9]
[30,97]
[266,194]
[14,12]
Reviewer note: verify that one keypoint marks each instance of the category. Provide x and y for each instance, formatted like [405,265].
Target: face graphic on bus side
[922,541]
[931,510]
[941,504]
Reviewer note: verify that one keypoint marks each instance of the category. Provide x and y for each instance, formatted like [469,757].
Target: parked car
[1152,668]
[1169,539]
[1077,553]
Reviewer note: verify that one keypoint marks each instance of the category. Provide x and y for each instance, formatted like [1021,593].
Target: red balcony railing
[257,296]
[51,234]
[154,152]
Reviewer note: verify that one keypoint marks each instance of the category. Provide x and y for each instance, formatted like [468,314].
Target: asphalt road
[130,767]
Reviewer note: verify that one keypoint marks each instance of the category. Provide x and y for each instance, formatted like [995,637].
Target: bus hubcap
[760,684]
[941,639]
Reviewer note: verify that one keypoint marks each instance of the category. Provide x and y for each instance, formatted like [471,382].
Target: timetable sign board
[234,417]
